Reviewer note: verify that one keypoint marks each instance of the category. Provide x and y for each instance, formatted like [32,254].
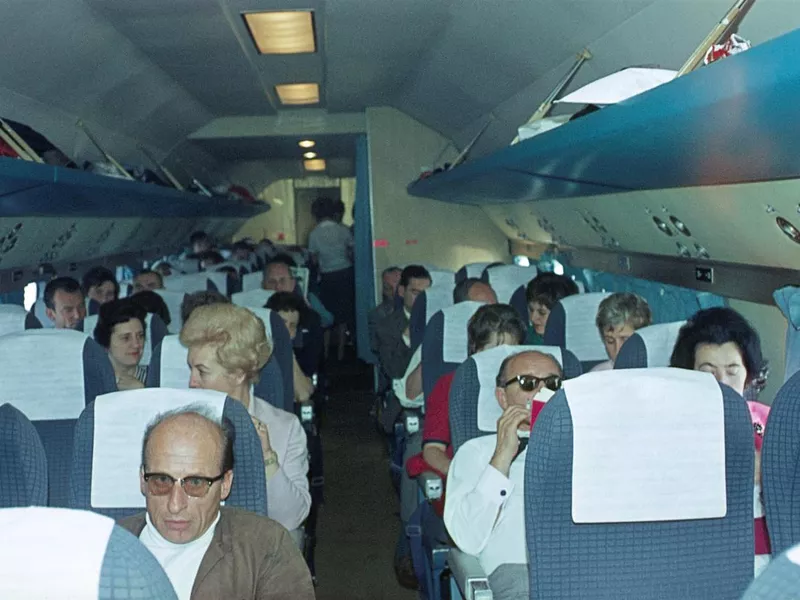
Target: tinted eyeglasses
[196,486]
[528,383]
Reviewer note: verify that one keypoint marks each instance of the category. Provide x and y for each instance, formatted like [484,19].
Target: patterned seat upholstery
[23,466]
[476,377]
[50,375]
[506,279]
[104,470]
[571,325]
[79,554]
[699,545]
[649,347]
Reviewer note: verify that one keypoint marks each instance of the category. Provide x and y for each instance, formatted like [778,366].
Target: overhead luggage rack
[32,189]
[730,122]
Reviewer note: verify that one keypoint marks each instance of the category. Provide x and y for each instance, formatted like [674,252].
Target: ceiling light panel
[298,94]
[316,164]
[306,143]
[310,155]
[282,32]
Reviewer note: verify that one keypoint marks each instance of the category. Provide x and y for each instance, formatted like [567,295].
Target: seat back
[254,298]
[444,344]
[571,325]
[780,580]
[105,463]
[474,385]
[173,300]
[50,375]
[613,463]
[427,304]
[12,318]
[519,303]
[649,347]
[276,384]
[780,460]
[505,279]
[155,330]
[471,270]
[82,554]
[23,466]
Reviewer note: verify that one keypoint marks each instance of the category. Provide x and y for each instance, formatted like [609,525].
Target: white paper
[660,341]
[52,552]
[255,298]
[619,86]
[455,339]
[582,337]
[637,456]
[506,279]
[43,373]
[120,419]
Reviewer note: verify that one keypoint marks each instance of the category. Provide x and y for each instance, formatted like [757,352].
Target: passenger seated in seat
[198,299]
[121,331]
[64,302]
[484,511]
[209,259]
[618,317]
[148,280]
[209,551]
[278,278]
[100,284]
[390,278]
[200,242]
[292,309]
[152,304]
[491,326]
[541,295]
[228,347]
[475,290]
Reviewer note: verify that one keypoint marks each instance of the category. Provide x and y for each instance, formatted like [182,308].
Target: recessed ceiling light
[282,32]
[316,164]
[295,94]
[307,143]
[310,155]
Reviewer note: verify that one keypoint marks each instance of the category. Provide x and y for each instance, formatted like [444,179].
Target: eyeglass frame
[210,481]
[537,381]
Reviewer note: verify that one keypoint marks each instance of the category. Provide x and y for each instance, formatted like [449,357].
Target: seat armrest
[430,484]
[306,413]
[469,576]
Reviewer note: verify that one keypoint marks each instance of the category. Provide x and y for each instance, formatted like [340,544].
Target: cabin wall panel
[416,230]
[277,224]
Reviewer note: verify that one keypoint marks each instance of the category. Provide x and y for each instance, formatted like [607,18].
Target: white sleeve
[288,498]
[476,493]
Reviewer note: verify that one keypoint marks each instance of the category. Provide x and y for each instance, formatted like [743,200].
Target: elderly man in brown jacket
[209,552]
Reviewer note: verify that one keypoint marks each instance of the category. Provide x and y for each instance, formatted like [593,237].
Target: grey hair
[623,308]
[224,426]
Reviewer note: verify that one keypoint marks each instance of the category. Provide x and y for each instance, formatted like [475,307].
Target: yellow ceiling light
[307,143]
[310,155]
[316,164]
[282,32]
[298,94]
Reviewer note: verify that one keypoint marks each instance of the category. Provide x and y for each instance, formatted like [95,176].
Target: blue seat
[23,466]
[104,467]
[79,554]
[427,304]
[50,375]
[674,541]
[155,330]
[519,303]
[571,325]
[277,378]
[506,279]
[649,347]
[780,580]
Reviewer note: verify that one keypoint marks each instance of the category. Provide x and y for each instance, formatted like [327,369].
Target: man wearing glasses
[484,510]
[209,552]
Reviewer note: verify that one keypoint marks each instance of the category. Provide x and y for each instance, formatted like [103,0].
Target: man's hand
[507,439]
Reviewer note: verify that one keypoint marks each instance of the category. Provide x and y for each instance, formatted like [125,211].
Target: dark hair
[151,272]
[280,259]
[199,236]
[501,379]
[211,255]
[98,276]
[413,272]
[498,319]
[549,288]
[150,302]
[198,299]
[116,313]
[389,270]
[324,208]
[719,326]
[286,302]
[224,427]
[242,245]
[461,291]
[64,284]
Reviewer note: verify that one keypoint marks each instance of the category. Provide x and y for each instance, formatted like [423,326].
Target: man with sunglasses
[209,552]
[484,510]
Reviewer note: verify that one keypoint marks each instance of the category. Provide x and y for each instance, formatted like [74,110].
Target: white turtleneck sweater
[180,561]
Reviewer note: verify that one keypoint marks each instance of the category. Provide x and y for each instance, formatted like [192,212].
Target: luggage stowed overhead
[29,144]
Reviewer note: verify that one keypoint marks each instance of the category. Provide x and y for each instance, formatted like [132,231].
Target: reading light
[282,32]
[294,94]
[307,143]
[315,164]
[310,155]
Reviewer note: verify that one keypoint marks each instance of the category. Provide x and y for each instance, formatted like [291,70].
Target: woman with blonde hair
[228,347]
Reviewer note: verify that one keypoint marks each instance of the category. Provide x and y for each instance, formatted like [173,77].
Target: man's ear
[142,482]
[401,290]
[500,394]
[51,314]
[227,483]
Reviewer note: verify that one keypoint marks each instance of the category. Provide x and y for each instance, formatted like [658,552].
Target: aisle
[358,525]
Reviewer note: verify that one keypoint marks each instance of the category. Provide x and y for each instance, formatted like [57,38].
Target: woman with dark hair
[541,295]
[100,284]
[121,331]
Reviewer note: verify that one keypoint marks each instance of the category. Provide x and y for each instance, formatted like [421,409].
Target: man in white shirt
[484,509]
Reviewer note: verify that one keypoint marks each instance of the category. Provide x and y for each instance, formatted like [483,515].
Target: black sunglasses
[528,383]
[196,486]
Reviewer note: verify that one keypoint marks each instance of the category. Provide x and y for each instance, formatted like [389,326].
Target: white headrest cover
[49,549]
[40,312]
[264,315]
[581,336]
[488,364]
[12,309]
[219,279]
[636,455]
[436,299]
[256,298]
[173,300]
[120,419]
[455,340]
[252,281]
[12,318]
[475,270]
[506,279]
[174,367]
[43,373]
[442,278]
[194,282]
[660,341]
